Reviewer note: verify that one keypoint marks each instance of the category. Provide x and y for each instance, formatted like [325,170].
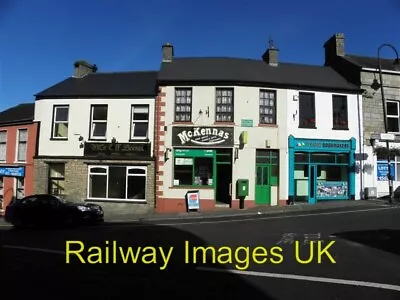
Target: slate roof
[251,71]
[372,62]
[20,113]
[118,84]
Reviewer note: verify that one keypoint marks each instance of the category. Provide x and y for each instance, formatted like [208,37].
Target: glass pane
[100,112]
[3,151]
[140,113]
[392,109]
[99,129]
[140,129]
[136,171]
[57,170]
[22,135]
[57,187]
[343,158]
[301,157]
[393,124]
[265,176]
[322,158]
[61,114]
[203,171]
[137,187]
[259,176]
[117,182]
[183,175]
[22,151]
[98,170]
[3,136]
[97,186]
[61,130]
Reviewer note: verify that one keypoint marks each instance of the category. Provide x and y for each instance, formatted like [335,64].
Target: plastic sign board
[193,200]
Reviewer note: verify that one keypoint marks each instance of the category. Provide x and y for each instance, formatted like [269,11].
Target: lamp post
[376,85]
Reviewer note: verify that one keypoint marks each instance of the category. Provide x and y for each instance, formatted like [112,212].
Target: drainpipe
[360,147]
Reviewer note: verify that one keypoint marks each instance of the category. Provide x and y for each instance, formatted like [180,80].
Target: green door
[263,184]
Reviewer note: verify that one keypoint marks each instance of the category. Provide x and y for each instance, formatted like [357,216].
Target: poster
[332,189]
[193,200]
[382,171]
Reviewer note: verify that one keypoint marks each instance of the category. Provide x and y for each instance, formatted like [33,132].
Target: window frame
[344,126]
[93,122]
[217,96]
[5,144]
[393,116]
[54,122]
[107,174]
[18,141]
[50,178]
[134,122]
[176,105]
[301,111]
[274,107]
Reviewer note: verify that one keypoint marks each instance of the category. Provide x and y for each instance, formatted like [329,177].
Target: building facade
[364,72]
[97,145]
[18,135]
[223,125]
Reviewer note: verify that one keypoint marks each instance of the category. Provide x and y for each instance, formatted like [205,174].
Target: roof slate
[372,62]
[123,84]
[239,70]
[20,113]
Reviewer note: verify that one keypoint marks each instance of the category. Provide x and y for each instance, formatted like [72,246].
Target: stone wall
[372,101]
[76,182]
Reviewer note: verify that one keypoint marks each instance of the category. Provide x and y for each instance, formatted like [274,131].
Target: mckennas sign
[202,136]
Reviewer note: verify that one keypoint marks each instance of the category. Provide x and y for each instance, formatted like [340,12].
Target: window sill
[182,123]
[139,140]
[267,125]
[192,187]
[97,140]
[58,139]
[339,128]
[224,123]
[302,127]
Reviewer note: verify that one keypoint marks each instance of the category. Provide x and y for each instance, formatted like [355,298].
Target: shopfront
[202,160]
[321,169]
[12,184]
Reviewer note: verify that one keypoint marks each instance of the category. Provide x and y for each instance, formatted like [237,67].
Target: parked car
[50,210]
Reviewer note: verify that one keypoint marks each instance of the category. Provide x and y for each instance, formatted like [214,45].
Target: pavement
[361,259]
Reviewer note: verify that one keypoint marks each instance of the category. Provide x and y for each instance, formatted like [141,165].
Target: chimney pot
[83,68]
[167,52]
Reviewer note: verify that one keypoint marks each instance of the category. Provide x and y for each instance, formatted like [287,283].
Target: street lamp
[376,85]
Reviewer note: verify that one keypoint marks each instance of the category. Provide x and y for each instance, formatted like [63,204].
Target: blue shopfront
[321,169]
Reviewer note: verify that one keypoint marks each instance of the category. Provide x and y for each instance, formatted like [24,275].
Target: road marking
[245,219]
[306,278]
[34,249]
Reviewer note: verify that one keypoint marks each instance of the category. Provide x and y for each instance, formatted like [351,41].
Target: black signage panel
[203,136]
[117,150]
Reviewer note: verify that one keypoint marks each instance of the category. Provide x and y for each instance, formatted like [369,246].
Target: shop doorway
[224,177]
[267,175]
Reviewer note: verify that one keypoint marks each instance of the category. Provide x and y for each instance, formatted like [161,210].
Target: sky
[41,39]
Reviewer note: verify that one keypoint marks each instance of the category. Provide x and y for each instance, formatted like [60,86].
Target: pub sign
[117,150]
[203,136]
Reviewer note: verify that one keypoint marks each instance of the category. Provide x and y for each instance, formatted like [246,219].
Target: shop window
[117,183]
[321,158]
[60,122]
[140,121]
[307,110]
[183,104]
[56,179]
[22,144]
[342,158]
[193,171]
[301,157]
[98,122]
[3,145]
[393,115]
[224,104]
[267,107]
[339,109]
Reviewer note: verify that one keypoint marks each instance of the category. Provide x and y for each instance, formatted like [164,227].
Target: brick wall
[372,103]
[76,180]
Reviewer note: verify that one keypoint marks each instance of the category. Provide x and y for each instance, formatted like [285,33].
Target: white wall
[324,121]
[246,102]
[118,124]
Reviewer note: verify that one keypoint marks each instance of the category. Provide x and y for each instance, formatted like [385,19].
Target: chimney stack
[83,68]
[167,52]
[271,55]
[334,47]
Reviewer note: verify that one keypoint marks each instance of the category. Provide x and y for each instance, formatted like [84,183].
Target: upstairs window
[3,145]
[60,122]
[307,110]
[224,105]
[392,115]
[140,121]
[267,107]
[183,105]
[98,122]
[22,144]
[339,109]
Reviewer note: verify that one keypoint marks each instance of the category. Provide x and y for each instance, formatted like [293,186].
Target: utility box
[242,187]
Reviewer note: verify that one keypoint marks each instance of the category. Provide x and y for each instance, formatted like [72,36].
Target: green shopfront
[321,169]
